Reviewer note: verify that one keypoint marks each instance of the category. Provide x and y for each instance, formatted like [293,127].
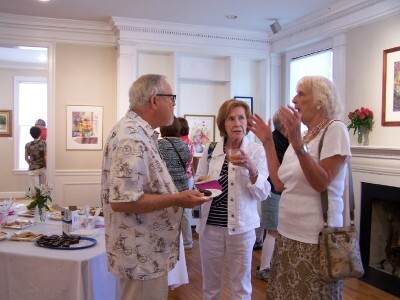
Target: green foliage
[361,119]
[41,195]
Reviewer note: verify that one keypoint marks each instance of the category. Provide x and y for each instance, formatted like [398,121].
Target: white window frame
[292,89]
[17,81]
[317,47]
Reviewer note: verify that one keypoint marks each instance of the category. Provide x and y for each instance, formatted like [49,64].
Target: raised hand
[260,128]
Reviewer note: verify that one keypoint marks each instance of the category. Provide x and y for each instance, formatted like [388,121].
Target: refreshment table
[31,272]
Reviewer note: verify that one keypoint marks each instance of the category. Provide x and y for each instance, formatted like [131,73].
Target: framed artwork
[248,100]
[201,131]
[84,127]
[5,123]
[391,87]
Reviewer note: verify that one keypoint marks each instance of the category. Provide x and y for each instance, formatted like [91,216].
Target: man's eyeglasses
[172,97]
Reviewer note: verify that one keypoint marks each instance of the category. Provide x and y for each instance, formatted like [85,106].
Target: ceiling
[254,15]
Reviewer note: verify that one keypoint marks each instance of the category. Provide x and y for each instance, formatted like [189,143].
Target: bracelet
[255,175]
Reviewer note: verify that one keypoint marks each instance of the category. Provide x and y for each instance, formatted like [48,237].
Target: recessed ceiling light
[231,17]
[44,0]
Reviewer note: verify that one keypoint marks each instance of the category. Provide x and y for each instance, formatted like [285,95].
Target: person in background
[35,156]
[187,212]
[259,231]
[302,176]
[226,227]
[175,154]
[270,207]
[142,207]
[42,125]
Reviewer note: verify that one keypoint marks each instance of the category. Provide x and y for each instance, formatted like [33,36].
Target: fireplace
[380,235]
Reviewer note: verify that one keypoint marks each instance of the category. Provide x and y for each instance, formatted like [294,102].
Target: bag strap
[324,194]
[211,148]
[179,156]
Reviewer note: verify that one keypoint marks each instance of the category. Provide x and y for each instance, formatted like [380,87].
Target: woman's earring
[318,107]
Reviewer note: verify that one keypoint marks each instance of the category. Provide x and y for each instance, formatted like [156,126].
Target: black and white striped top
[218,215]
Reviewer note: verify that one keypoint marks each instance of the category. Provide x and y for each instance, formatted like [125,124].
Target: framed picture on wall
[5,123]
[201,131]
[248,100]
[391,87]
[84,127]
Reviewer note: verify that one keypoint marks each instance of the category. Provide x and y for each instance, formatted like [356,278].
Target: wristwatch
[303,150]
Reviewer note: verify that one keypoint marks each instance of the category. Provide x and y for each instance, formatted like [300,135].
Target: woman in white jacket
[226,228]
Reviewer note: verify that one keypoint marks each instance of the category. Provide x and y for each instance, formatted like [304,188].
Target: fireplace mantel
[377,165]
[376,160]
[376,152]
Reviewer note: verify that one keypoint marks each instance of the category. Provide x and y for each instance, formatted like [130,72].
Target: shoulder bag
[179,156]
[339,246]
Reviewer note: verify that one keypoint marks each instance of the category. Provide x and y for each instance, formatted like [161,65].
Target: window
[319,63]
[30,104]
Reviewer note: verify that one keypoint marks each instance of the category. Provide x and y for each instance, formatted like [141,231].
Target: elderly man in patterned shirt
[142,207]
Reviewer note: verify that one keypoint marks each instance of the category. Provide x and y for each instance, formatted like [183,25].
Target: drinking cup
[234,154]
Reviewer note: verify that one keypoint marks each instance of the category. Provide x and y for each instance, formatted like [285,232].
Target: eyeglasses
[171,97]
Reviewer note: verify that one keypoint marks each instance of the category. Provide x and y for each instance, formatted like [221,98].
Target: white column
[276,98]
[339,64]
[126,74]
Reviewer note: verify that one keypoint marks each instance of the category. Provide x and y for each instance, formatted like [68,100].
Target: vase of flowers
[40,195]
[200,136]
[84,127]
[362,121]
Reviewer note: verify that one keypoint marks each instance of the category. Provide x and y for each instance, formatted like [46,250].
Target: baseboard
[16,195]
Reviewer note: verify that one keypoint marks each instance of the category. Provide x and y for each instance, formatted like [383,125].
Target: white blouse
[300,212]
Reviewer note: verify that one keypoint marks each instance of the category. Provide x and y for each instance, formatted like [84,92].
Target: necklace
[314,132]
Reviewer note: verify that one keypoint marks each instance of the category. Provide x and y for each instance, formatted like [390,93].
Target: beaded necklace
[314,132]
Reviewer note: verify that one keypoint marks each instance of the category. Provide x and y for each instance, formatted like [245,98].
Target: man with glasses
[142,207]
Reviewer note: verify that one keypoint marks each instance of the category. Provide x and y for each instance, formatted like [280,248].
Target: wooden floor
[353,288]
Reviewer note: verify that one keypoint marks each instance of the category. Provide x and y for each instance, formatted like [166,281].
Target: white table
[31,272]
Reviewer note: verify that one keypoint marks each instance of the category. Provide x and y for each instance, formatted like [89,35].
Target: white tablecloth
[179,274]
[31,272]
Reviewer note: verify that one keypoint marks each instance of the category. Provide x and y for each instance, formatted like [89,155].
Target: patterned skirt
[295,273]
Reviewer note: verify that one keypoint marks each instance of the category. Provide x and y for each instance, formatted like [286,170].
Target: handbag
[339,247]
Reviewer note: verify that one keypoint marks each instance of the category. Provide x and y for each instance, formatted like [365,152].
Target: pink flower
[361,119]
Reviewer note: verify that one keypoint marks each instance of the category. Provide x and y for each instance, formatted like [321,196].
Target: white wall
[364,64]
[210,66]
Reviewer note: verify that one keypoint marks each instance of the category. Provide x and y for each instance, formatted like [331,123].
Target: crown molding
[149,31]
[339,17]
[55,30]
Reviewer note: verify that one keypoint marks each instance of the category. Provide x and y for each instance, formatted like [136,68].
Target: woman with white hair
[302,176]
